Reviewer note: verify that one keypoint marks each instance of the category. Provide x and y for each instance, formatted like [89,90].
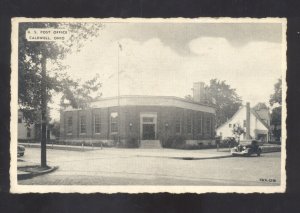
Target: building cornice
[170,101]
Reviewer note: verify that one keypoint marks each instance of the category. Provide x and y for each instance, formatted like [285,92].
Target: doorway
[148,132]
[148,125]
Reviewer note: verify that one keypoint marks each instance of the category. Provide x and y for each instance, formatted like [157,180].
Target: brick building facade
[140,118]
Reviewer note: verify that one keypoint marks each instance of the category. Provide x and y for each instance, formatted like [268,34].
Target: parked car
[21,150]
[247,150]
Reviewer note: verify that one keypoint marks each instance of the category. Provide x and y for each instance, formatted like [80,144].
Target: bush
[230,142]
[174,142]
[132,143]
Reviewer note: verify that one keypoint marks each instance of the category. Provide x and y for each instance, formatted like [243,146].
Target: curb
[188,158]
[204,158]
[28,175]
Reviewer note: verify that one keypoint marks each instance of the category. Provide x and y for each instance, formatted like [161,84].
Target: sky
[166,58]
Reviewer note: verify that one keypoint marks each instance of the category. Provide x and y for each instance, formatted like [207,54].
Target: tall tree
[36,86]
[276,102]
[225,99]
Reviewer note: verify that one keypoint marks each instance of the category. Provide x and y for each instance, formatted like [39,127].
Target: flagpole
[119,47]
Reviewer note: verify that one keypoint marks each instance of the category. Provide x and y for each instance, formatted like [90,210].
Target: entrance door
[148,132]
[148,125]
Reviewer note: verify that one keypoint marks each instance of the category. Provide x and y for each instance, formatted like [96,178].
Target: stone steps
[150,144]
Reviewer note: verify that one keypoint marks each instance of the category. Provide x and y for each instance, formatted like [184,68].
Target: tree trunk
[44,114]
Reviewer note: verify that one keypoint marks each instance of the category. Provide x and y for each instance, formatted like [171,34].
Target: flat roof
[139,100]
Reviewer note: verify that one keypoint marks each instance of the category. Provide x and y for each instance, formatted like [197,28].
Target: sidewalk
[61,147]
[160,153]
[138,152]
[26,170]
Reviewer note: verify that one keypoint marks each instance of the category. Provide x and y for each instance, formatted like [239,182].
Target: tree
[276,102]
[36,86]
[276,98]
[80,95]
[225,99]
[238,131]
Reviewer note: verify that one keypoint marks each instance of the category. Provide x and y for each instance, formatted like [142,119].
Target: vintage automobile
[247,150]
[21,150]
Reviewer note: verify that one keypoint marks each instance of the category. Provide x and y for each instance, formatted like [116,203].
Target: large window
[114,122]
[178,126]
[69,125]
[208,125]
[189,125]
[97,124]
[199,124]
[28,132]
[82,124]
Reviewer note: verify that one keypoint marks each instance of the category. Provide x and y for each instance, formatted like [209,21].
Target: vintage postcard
[148,105]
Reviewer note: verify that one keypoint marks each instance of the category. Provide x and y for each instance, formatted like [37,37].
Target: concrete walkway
[139,152]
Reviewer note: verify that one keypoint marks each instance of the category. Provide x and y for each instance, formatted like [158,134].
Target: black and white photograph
[148,105]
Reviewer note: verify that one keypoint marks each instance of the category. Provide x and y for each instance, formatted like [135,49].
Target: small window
[148,119]
[114,122]
[83,124]
[69,125]
[189,124]
[229,125]
[97,124]
[19,119]
[177,126]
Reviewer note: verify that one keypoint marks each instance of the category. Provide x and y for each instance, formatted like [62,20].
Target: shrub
[132,142]
[174,142]
[230,142]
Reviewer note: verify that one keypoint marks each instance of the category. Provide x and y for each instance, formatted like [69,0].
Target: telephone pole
[44,114]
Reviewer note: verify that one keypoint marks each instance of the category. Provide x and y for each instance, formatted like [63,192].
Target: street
[147,167]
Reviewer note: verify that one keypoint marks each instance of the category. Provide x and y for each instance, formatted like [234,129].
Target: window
[229,125]
[148,119]
[20,119]
[114,122]
[69,125]
[245,124]
[208,125]
[97,124]
[82,124]
[28,132]
[177,126]
[199,124]
[189,124]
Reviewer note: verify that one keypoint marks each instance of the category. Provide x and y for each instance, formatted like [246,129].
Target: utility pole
[44,113]
[119,120]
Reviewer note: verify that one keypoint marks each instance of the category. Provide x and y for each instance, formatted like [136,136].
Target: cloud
[153,68]
[252,69]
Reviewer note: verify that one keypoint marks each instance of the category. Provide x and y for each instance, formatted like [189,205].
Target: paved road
[140,167]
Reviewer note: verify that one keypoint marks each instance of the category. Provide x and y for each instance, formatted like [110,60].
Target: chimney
[248,120]
[198,92]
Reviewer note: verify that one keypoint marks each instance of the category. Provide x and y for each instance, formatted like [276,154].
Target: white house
[255,121]
[30,132]
[25,132]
